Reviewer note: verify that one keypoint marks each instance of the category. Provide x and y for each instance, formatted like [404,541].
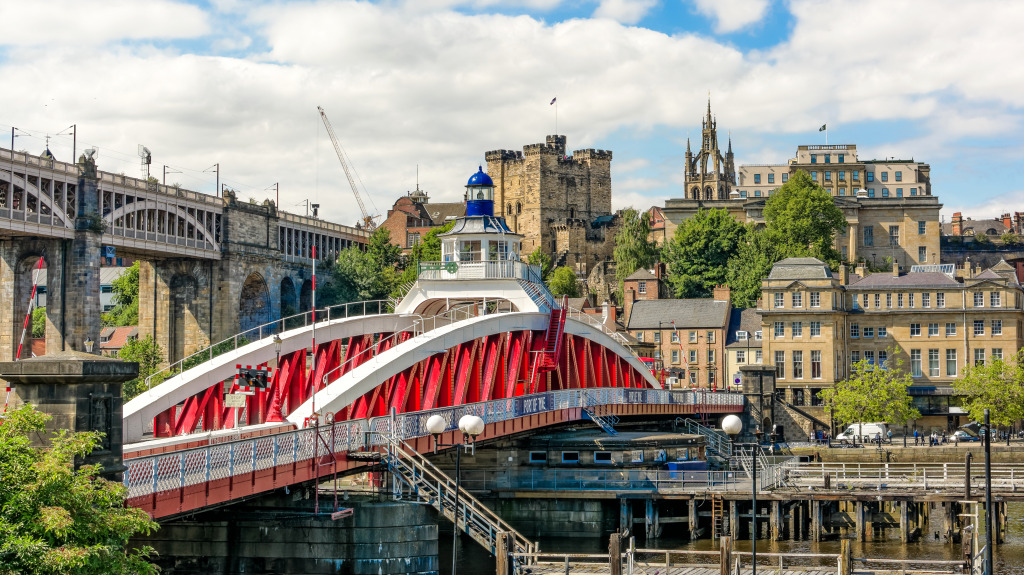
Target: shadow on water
[1009,559]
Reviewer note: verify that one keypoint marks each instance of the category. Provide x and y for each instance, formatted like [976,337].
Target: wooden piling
[904,526]
[502,561]
[776,521]
[734,520]
[694,526]
[725,555]
[858,516]
[615,554]
[845,557]
[625,516]
[816,520]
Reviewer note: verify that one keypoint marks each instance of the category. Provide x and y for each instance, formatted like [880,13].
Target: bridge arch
[18,270]
[152,220]
[289,299]
[33,196]
[254,303]
[306,296]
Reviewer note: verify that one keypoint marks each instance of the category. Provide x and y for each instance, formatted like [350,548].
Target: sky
[423,88]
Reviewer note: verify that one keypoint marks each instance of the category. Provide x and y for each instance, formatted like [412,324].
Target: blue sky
[436,83]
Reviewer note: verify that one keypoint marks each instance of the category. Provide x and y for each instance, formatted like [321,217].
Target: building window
[910,300]
[815,364]
[920,228]
[675,356]
[657,337]
[570,457]
[798,329]
[757,178]
[997,354]
[642,286]
[674,338]
[657,354]
[979,327]
[757,335]
[814,158]
[712,379]
[798,364]
[815,299]
[933,330]
[538,457]
[888,300]
[757,193]
[711,337]
[412,238]
[828,158]
[828,176]
[951,362]
[604,457]
[842,176]
[854,358]
[771,178]
[885,192]
[854,330]
[997,327]
[913,191]
[758,356]
[103,289]
[950,329]
[871,176]
[940,300]
[693,377]
[639,336]
[979,357]
[815,328]
[842,158]
[915,329]
[922,254]
[711,356]
[899,300]
[868,332]
[780,365]
[693,337]
[994,299]
[798,299]
[899,176]
[741,356]
[881,358]
[926,300]
[933,363]
[864,298]
[855,175]
[693,356]
[878,302]
[883,332]
[885,176]
[785,178]
[894,236]
[743,194]
[778,300]
[899,192]
[915,363]
[814,176]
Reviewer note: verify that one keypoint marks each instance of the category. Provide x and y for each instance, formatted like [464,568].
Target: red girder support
[328,354]
[491,359]
[515,350]
[194,408]
[288,387]
[465,354]
[437,377]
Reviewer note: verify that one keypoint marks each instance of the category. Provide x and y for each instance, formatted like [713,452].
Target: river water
[1009,557]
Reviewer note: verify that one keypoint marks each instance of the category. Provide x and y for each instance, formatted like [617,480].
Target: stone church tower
[709,175]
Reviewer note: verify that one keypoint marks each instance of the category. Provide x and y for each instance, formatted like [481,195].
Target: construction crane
[369,222]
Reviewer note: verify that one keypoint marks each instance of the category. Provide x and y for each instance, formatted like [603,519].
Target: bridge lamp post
[88,343]
[732,426]
[470,426]
[277,349]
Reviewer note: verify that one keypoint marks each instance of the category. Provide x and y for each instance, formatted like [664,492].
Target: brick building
[412,216]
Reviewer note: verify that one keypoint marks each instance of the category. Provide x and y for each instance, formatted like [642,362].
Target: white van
[864,433]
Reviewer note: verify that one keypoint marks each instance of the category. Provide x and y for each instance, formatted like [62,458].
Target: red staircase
[553,339]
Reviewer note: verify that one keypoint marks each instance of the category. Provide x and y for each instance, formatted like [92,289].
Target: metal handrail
[716,440]
[266,330]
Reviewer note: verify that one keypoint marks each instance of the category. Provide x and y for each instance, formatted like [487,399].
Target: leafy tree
[997,386]
[55,519]
[700,251]
[126,299]
[563,282]
[872,393]
[362,275]
[752,263]
[39,322]
[539,258]
[148,354]
[982,239]
[633,248]
[803,219]
[1010,239]
[428,250]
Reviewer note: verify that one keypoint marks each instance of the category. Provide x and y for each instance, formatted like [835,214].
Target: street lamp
[732,426]
[277,349]
[470,426]
[88,344]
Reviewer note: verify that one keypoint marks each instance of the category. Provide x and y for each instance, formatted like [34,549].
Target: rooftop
[686,313]
[800,268]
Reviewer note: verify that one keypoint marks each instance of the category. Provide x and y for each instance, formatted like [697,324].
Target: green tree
[633,248]
[361,275]
[751,264]
[802,220]
[699,253]
[872,393]
[997,386]
[39,322]
[148,354]
[563,282]
[539,258]
[428,250]
[126,299]
[982,239]
[56,519]
[1010,239]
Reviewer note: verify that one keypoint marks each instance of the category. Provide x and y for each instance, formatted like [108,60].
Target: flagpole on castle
[554,102]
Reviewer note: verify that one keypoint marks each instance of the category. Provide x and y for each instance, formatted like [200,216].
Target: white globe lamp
[732,425]
[471,425]
[436,424]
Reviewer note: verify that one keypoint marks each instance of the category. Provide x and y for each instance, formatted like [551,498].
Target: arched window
[572,213]
[508,209]
[519,208]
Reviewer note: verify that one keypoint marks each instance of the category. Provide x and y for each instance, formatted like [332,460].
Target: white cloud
[625,11]
[92,22]
[732,15]
[990,208]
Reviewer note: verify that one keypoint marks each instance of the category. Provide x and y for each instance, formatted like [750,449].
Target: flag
[553,100]
[822,128]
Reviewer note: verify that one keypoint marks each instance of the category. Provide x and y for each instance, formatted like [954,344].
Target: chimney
[1007,221]
[627,303]
[721,293]
[860,269]
[844,274]
[958,220]
[895,269]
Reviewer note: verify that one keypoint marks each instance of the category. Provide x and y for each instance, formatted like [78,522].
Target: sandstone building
[412,216]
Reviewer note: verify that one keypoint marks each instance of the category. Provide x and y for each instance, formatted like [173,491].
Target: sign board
[450,267]
[109,252]
[234,400]
[252,377]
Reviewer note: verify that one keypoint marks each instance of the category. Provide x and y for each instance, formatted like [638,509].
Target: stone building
[412,216]
[818,323]
[559,203]
[889,205]
[743,342]
[688,335]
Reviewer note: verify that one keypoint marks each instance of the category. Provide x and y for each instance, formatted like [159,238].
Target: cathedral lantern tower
[709,175]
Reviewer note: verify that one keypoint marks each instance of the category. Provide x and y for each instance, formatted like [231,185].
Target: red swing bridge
[477,333]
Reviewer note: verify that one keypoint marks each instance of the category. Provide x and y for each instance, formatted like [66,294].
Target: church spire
[688,145]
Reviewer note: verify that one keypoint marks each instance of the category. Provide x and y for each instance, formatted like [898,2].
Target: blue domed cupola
[480,194]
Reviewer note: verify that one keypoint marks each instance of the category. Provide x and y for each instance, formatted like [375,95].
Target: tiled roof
[441,212]
[977,226]
[748,320]
[800,268]
[918,279]
[642,274]
[118,337]
[686,313]
[578,302]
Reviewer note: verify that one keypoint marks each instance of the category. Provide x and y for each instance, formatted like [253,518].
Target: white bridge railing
[157,473]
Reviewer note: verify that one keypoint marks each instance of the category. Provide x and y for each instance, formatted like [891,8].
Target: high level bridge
[209,266]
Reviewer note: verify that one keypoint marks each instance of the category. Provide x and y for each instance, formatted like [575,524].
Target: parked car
[961,435]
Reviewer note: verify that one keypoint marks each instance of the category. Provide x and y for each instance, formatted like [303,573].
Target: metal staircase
[430,484]
[602,417]
[716,442]
[539,294]
[553,338]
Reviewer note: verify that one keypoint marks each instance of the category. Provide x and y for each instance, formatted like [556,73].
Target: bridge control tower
[480,265]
